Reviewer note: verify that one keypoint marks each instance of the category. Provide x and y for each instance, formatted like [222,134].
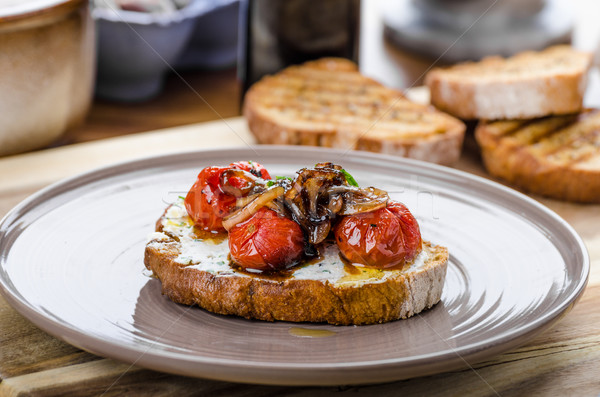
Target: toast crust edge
[442,148]
[292,300]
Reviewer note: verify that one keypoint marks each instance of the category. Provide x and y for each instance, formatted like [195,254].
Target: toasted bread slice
[527,85]
[329,103]
[556,156]
[197,271]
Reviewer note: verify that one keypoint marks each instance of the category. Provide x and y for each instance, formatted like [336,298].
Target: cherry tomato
[252,167]
[266,241]
[384,238]
[206,204]
[208,201]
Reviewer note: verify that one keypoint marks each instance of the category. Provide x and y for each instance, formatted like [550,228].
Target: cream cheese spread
[211,255]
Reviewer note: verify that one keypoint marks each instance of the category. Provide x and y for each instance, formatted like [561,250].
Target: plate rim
[74,336]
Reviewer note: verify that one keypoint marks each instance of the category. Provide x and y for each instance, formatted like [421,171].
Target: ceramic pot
[47,59]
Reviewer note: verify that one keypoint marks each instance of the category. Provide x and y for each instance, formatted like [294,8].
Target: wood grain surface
[564,360]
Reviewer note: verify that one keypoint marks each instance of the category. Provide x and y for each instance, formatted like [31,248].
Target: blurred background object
[47,57]
[139,41]
[276,34]
[459,30]
[205,86]
[213,43]
[153,6]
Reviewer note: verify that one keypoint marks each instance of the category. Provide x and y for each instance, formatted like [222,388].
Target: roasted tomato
[266,241]
[213,195]
[206,203]
[384,238]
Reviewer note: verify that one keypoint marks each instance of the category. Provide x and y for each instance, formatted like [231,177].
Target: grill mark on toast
[567,136]
[579,150]
[564,140]
[538,130]
[316,106]
[559,59]
[330,100]
[346,92]
[391,121]
[560,162]
[320,104]
[514,127]
[332,111]
[325,79]
[331,124]
[541,132]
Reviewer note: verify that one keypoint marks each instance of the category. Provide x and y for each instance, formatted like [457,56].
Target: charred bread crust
[329,103]
[527,85]
[557,156]
[400,296]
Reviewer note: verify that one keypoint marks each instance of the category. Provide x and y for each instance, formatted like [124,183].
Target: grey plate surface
[71,261]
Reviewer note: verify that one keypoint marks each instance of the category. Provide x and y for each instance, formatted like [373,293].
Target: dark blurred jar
[278,33]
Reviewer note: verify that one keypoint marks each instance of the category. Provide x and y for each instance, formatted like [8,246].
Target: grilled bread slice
[193,270]
[329,103]
[557,156]
[527,85]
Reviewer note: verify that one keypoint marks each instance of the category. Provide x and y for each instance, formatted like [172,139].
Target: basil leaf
[349,178]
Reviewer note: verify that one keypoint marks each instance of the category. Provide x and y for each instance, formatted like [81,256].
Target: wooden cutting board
[564,360]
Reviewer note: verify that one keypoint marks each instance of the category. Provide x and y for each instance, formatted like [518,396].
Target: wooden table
[564,360]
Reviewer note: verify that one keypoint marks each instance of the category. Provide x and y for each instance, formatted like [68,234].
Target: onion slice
[252,208]
[363,200]
[244,201]
[318,233]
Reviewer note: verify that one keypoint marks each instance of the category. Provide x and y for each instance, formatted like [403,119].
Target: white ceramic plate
[71,261]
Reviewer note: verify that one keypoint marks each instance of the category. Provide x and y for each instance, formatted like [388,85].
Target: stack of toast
[533,131]
[328,103]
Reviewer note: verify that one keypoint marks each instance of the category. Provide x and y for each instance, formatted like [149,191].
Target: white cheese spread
[212,256]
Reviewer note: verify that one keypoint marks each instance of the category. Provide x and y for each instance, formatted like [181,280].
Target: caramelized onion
[363,200]
[245,182]
[314,199]
[244,201]
[319,232]
[276,206]
[336,203]
[251,208]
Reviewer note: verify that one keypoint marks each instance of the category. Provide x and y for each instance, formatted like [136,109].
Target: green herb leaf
[181,197]
[278,178]
[349,178]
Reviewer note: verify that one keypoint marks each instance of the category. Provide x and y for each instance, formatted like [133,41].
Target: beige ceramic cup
[47,63]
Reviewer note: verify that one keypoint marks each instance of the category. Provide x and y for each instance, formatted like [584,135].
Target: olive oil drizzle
[310,332]
[215,237]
